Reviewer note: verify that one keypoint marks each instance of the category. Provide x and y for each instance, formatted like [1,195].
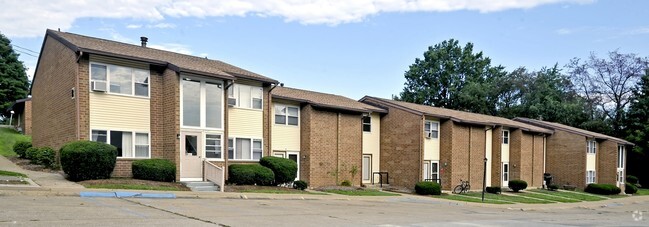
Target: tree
[453,77]
[13,79]
[637,129]
[606,83]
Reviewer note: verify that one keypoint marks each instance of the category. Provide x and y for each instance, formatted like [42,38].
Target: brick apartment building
[421,142]
[22,117]
[328,135]
[578,157]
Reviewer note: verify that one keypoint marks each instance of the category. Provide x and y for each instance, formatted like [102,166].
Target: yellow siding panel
[372,143]
[488,142]
[591,161]
[119,112]
[284,137]
[246,123]
[431,145]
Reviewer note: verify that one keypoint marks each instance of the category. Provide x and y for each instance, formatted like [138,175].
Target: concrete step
[205,188]
[201,186]
[197,183]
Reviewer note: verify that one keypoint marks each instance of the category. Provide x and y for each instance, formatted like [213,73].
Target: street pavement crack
[174,213]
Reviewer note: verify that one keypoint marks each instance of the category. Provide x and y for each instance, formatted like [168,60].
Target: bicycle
[462,188]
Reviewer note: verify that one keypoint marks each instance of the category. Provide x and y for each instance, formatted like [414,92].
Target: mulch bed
[243,188]
[26,164]
[132,181]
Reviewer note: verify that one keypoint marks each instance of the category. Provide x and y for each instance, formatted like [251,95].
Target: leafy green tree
[637,130]
[453,77]
[13,79]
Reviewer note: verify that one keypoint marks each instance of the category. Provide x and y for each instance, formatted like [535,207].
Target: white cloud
[30,18]
[161,25]
[133,26]
[564,31]
[173,47]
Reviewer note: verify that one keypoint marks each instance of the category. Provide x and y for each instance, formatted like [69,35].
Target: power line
[24,52]
[24,48]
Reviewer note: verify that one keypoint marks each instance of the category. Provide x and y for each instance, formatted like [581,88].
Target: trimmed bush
[45,156]
[252,174]
[629,178]
[603,189]
[517,185]
[285,170]
[428,188]
[31,154]
[630,188]
[88,160]
[154,169]
[346,183]
[494,190]
[553,187]
[300,185]
[21,147]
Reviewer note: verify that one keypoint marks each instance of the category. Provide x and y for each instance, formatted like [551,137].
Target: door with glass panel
[191,156]
[366,172]
[505,174]
[295,156]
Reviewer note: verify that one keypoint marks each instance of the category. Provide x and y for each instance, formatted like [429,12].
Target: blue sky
[342,48]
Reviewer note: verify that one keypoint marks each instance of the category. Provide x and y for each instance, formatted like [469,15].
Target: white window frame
[621,153]
[433,170]
[235,92]
[132,139]
[220,145]
[202,103]
[506,173]
[363,123]
[369,168]
[286,115]
[433,131]
[506,136]
[591,146]
[90,80]
[252,148]
[591,177]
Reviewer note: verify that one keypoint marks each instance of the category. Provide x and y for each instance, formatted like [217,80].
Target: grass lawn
[8,137]
[13,174]
[549,197]
[133,184]
[361,192]
[470,199]
[642,191]
[571,195]
[508,198]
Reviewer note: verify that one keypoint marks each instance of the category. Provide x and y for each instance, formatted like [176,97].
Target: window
[367,124]
[121,80]
[505,136]
[505,172]
[128,144]
[620,157]
[367,167]
[434,169]
[286,115]
[591,147]
[590,177]
[246,96]
[201,103]
[431,129]
[213,146]
[244,149]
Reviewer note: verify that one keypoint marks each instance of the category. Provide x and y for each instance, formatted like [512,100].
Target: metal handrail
[387,177]
[214,174]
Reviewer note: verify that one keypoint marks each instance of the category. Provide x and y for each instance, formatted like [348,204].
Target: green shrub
[154,169]
[630,188]
[21,147]
[494,190]
[346,183]
[428,188]
[300,185]
[517,185]
[45,156]
[553,187]
[30,154]
[88,160]
[603,189]
[252,174]
[285,170]
[629,178]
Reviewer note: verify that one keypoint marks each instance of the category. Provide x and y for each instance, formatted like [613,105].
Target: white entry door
[367,168]
[295,156]
[505,174]
[191,156]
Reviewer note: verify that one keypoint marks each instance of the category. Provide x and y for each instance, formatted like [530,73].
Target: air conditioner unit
[429,135]
[232,102]
[98,85]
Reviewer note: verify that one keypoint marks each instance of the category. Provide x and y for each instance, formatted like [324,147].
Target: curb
[121,194]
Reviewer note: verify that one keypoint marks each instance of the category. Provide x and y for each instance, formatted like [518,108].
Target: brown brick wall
[462,155]
[607,162]
[496,157]
[122,168]
[566,158]
[27,118]
[446,145]
[170,117]
[401,147]
[537,161]
[476,156]
[515,145]
[330,147]
[266,121]
[55,118]
[83,94]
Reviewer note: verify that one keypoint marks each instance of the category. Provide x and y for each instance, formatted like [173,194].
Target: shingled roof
[455,115]
[181,62]
[323,100]
[557,126]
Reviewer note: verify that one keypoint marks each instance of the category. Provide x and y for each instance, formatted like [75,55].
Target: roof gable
[323,100]
[570,129]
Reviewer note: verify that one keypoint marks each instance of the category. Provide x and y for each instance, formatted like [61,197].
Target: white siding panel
[372,143]
[246,123]
[119,112]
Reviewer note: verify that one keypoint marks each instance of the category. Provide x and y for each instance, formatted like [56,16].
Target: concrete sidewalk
[42,179]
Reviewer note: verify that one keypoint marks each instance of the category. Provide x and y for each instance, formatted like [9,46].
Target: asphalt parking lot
[47,210]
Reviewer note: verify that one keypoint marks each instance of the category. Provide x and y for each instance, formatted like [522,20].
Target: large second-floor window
[120,79]
[245,96]
[505,136]
[286,115]
[201,103]
[591,146]
[431,129]
[367,124]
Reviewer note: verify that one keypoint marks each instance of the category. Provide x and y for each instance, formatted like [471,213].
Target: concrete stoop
[201,186]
